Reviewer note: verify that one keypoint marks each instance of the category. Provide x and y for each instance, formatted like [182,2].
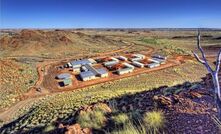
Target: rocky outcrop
[76,129]
[163,100]
[181,97]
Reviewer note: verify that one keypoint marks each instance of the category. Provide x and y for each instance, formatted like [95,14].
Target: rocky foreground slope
[188,108]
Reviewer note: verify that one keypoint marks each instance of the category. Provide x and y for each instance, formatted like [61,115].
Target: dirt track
[8,114]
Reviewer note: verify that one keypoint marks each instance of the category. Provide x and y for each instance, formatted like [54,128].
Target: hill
[54,43]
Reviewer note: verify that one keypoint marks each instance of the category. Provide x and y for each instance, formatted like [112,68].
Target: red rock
[195,94]
[214,109]
[60,126]
[163,100]
[74,129]
[87,131]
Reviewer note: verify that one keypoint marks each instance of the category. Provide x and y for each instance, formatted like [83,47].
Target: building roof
[137,63]
[67,81]
[160,60]
[80,62]
[153,64]
[102,71]
[125,69]
[159,56]
[64,76]
[69,64]
[86,74]
[109,63]
[122,57]
[92,61]
[154,60]
[114,59]
[136,59]
[128,65]
[92,69]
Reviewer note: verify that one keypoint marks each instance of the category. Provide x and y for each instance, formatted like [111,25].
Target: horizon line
[115,28]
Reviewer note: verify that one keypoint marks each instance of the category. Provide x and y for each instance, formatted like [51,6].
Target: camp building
[63,76]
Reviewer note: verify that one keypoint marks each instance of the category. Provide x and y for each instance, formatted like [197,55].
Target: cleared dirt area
[51,83]
[47,74]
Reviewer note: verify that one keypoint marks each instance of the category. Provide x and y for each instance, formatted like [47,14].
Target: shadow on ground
[185,111]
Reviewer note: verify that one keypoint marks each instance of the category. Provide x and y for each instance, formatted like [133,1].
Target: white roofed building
[138,64]
[122,58]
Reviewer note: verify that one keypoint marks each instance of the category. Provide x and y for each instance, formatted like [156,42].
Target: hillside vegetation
[63,105]
[15,79]
[24,49]
[54,44]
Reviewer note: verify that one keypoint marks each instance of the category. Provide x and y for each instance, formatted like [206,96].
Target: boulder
[195,94]
[163,100]
[76,129]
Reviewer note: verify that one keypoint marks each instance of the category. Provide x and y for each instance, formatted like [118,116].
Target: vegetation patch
[93,119]
[165,46]
[15,79]
[154,121]
[63,105]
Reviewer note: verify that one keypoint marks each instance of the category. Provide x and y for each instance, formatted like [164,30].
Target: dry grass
[121,118]
[63,104]
[93,119]
[130,128]
[154,121]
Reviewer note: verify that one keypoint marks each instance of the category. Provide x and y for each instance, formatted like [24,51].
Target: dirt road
[8,114]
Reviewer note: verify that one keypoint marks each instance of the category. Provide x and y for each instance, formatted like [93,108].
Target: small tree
[214,73]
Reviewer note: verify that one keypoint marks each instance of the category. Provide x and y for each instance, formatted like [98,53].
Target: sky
[110,13]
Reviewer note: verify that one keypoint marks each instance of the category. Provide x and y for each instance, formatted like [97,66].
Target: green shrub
[150,41]
[170,91]
[49,128]
[121,118]
[113,105]
[135,115]
[31,81]
[92,119]
[130,128]
[154,121]
[178,90]
[195,86]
